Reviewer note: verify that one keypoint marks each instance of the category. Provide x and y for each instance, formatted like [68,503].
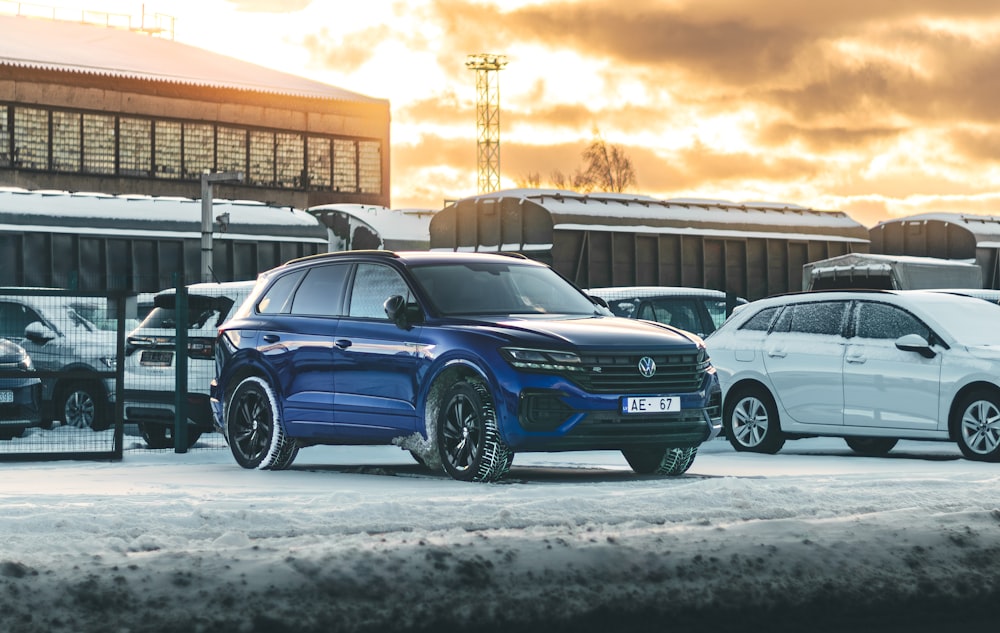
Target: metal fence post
[180,365]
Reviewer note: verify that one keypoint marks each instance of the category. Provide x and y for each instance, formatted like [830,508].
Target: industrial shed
[92,107]
[970,238]
[752,249]
[359,227]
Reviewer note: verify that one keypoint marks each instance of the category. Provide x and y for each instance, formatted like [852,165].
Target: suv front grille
[619,373]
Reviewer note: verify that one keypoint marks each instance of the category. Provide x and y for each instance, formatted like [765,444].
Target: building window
[98,144]
[319,162]
[66,133]
[199,149]
[262,158]
[106,144]
[289,154]
[369,167]
[135,150]
[345,165]
[167,144]
[4,136]
[31,138]
[232,149]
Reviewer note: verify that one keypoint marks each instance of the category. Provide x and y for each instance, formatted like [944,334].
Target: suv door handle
[342,343]
[271,338]
[777,353]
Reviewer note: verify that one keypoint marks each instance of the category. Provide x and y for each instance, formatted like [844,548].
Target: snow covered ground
[362,539]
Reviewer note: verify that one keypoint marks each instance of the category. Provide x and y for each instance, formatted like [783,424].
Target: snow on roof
[565,206]
[77,212]
[735,233]
[634,292]
[884,262]
[398,224]
[65,46]
[979,225]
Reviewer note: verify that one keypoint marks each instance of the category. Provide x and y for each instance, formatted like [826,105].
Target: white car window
[819,317]
[884,321]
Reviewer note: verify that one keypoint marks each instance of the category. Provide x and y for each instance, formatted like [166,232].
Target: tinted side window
[322,291]
[279,296]
[821,317]
[884,321]
[760,321]
[373,284]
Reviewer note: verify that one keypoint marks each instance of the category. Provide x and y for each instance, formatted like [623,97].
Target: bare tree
[608,167]
[531,180]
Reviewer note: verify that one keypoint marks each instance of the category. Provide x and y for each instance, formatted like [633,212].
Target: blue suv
[464,359]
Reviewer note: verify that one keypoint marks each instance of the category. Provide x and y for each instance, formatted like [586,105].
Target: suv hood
[587,332]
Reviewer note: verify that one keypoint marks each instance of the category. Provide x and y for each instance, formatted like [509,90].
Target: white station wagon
[872,367]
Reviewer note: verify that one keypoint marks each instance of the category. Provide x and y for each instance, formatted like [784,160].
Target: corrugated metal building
[93,108]
[751,249]
[971,238]
[94,241]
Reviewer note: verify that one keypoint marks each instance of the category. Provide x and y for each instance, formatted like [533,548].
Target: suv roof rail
[336,254]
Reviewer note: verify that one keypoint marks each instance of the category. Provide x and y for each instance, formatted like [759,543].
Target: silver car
[872,367]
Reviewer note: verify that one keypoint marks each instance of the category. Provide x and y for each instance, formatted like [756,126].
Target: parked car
[20,391]
[462,358]
[67,334]
[872,367]
[697,310]
[150,360]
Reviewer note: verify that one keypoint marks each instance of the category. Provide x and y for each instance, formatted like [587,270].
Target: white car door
[804,358]
[884,386]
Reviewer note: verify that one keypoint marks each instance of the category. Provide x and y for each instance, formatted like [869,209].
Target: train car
[99,242]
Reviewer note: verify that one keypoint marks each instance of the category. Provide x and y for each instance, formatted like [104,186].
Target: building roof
[108,215]
[65,46]
[543,212]
[986,228]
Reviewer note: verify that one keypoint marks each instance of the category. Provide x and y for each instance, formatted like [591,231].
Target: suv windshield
[499,288]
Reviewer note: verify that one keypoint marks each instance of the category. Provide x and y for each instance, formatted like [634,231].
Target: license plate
[650,404]
[6,396]
[156,359]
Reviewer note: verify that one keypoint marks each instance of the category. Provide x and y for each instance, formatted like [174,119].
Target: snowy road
[361,539]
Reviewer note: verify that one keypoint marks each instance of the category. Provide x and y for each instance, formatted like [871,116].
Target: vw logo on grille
[647,367]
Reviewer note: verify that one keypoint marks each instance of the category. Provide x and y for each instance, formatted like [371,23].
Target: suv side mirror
[915,343]
[38,332]
[399,313]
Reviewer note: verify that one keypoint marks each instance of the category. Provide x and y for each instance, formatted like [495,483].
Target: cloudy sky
[879,108]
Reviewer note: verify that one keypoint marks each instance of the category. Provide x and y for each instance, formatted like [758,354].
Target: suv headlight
[542,359]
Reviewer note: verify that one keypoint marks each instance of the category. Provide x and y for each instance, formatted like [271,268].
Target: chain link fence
[60,380]
[87,375]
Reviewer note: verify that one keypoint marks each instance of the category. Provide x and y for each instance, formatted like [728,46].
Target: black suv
[462,358]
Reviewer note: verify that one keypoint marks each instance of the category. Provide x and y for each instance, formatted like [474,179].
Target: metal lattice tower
[487,117]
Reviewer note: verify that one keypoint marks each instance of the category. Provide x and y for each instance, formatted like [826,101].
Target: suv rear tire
[162,435]
[254,430]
